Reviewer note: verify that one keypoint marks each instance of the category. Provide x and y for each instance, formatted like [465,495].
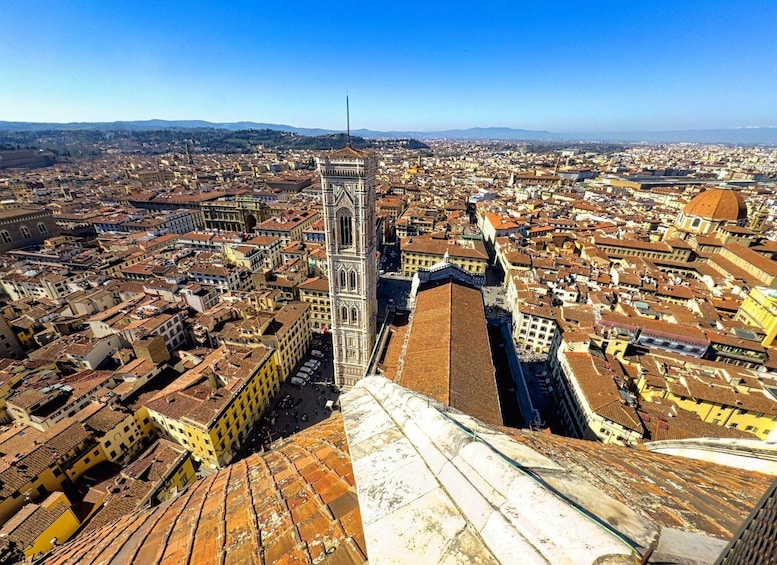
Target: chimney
[213,380]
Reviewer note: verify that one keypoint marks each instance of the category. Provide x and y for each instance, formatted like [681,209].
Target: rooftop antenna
[347,122]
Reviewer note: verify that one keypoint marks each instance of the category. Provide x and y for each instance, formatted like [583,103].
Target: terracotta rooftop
[596,380]
[673,492]
[717,204]
[433,246]
[316,283]
[400,478]
[753,258]
[33,520]
[348,152]
[447,354]
[294,504]
[192,395]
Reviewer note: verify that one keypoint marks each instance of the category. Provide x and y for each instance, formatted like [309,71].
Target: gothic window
[42,228]
[6,236]
[345,225]
[344,314]
[25,231]
[353,280]
[342,280]
[354,315]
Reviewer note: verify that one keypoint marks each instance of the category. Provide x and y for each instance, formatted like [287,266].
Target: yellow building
[33,529]
[210,409]
[166,468]
[315,292]
[590,404]
[177,480]
[760,309]
[286,330]
[25,329]
[42,462]
[83,462]
[677,250]
[249,257]
[11,374]
[159,474]
[763,269]
[718,399]
[122,261]
[424,251]
[121,433]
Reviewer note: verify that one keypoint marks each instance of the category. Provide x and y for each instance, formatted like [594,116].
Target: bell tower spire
[347,122]
[348,190]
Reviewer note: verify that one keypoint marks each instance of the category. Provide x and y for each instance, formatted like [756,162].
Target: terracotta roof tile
[265,508]
[673,491]
[717,204]
[447,354]
[260,504]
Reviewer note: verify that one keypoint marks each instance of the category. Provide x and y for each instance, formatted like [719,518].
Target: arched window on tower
[345,229]
[696,223]
[353,280]
[344,314]
[342,280]
[354,316]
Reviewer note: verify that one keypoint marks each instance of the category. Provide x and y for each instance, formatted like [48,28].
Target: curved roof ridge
[444,480]
[450,341]
[717,204]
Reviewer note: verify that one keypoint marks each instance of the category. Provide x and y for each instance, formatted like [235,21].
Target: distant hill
[202,139]
[737,136]
[493,133]
[748,135]
[149,125]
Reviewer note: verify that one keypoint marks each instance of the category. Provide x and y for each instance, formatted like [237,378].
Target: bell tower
[348,187]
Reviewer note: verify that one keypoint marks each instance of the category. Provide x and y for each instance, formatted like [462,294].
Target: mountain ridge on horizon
[740,135]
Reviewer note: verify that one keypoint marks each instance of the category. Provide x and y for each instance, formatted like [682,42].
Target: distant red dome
[718,204]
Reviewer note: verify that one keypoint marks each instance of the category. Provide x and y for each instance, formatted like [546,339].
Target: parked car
[307,370]
[316,353]
[313,364]
[304,376]
[297,381]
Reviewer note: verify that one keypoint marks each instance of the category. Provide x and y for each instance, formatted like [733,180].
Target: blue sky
[560,66]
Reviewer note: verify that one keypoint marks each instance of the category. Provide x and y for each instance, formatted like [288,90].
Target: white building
[348,186]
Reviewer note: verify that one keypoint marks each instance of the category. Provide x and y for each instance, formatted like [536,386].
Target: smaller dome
[718,204]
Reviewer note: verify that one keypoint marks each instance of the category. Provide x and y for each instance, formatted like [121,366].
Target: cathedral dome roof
[719,204]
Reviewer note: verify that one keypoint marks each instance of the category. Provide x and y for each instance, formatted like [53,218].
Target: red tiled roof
[674,492]
[348,152]
[717,204]
[316,283]
[448,356]
[296,504]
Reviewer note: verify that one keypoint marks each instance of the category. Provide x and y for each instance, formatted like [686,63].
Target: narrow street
[511,411]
